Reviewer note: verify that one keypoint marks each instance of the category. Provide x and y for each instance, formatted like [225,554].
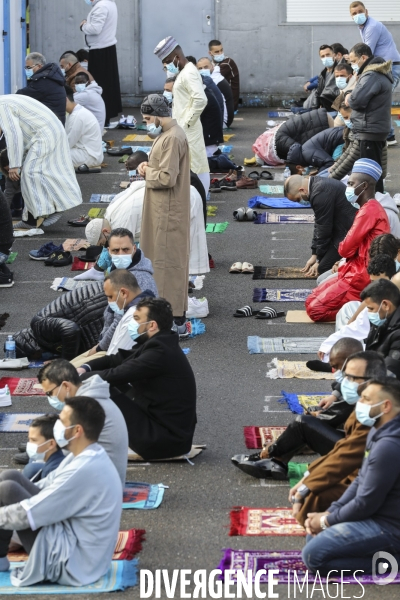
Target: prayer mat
[124,184]
[395,110]
[96,213]
[299,403]
[143,496]
[17,423]
[122,574]
[397,122]
[212,211]
[228,136]
[284,562]
[282,114]
[3,319]
[264,521]
[139,148]
[266,295]
[217,227]
[280,273]
[275,219]
[273,189]
[296,472]
[256,437]
[260,202]
[130,138]
[289,369]
[101,198]
[225,149]
[11,257]
[27,232]
[22,387]
[300,316]
[197,280]
[67,284]
[294,345]
[195,451]
[80,265]
[73,245]
[137,138]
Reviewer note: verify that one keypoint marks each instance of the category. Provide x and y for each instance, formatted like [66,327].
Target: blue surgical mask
[375,319]
[341,82]
[115,308]
[55,403]
[306,171]
[349,391]
[168,96]
[62,71]
[360,18]
[327,61]
[133,328]
[355,68]
[88,2]
[172,69]
[29,73]
[153,129]
[205,72]
[59,434]
[350,195]
[304,202]
[363,413]
[348,123]
[397,265]
[121,261]
[338,375]
[32,451]
[132,173]
[219,57]
[80,87]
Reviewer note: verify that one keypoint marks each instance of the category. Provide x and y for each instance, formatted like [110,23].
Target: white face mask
[59,434]
[32,451]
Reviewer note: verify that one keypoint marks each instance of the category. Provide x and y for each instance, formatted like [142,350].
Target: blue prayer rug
[17,423]
[275,219]
[280,345]
[262,202]
[290,295]
[106,198]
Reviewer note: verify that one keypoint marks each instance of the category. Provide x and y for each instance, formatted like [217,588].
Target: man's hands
[82,24]
[305,86]
[311,267]
[293,490]
[91,351]
[335,267]
[327,402]
[15,174]
[142,168]
[313,523]
[81,371]
[346,99]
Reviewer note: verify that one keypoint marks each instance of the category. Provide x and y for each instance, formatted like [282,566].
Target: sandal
[245,311]
[254,175]
[266,175]
[86,169]
[247,268]
[269,313]
[250,161]
[118,151]
[236,268]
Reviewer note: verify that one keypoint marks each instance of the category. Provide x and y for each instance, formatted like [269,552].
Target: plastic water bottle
[10,347]
[286,173]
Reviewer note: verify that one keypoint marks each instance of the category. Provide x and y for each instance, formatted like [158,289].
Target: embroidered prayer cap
[369,167]
[155,105]
[93,231]
[165,47]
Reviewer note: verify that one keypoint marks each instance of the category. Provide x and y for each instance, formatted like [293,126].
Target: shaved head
[296,187]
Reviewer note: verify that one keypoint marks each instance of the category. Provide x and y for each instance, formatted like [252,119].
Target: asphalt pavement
[190,529]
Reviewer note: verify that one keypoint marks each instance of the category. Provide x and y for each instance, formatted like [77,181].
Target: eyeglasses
[355,377]
[48,394]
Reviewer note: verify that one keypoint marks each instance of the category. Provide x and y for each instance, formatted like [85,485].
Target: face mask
[360,19]
[306,171]
[29,73]
[88,2]
[62,71]
[32,451]
[121,261]
[341,82]
[205,72]
[114,306]
[350,195]
[55,403]
[348,123]
[327,61]
[84,65]
[133,327]
[153,129]
[304,202]
[363,413]
[168,96]
[219,57]
[132,173]
[59,434]
[397,265]
[338,376]
[355,68]
[172,69]
[375,319]
[349,391]
[80,87]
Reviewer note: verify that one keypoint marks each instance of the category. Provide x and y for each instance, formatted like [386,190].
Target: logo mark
[382,563]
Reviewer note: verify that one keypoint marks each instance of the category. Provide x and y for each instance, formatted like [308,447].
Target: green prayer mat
[216,227]
[296,472]
[11,257]
[97,213]
[123,158]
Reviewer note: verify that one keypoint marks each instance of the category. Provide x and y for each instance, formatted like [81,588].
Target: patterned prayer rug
[275,219]
[73,245]
[217,227]
[295,345]
[142,495]
[264,521]
[299,403]
[97,213]
[288,369]
[67,284]
[301,316]
[17,422]
[122,574]
[272,189]
[290,295]
[279,273]
[283,561]
[22,387]
[257,437]
[80,265]
[101,197]
[281,114]
[261,202]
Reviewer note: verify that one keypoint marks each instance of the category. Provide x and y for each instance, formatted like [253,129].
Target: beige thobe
[165,230]
[189,102]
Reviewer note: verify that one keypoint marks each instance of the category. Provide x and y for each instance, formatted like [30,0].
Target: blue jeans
[396,79]
[348,546]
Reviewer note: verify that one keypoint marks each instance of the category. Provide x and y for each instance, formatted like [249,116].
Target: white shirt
[84,133]
[121,337]
[101,26]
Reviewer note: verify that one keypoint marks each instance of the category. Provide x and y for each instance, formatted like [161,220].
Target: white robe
[84,137]
[37,142]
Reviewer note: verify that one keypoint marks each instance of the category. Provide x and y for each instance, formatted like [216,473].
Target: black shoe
[266,468]
[22,458]
[214,186]
[62,259]
[120,151]
[92,254]
[22,447]
[6,277]
[391,141]
[318,365]
[81,222]
[228,184]
[250,457]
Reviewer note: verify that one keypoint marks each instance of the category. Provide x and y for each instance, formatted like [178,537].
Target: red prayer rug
[264,521]
[22,387]
[257,437]
[81,265]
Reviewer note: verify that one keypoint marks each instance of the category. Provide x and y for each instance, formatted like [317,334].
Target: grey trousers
[15,487]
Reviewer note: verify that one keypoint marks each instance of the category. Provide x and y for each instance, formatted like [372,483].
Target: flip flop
[266,175]
[247,268]
[269,313]
[245,311]
[236,268]
[254,175]
[86,169]
[250,161]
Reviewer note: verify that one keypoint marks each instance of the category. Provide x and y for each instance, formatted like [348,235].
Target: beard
[142,339]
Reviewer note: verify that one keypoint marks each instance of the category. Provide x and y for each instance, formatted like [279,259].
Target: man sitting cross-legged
[44,453]
[319,430]
[84,134]
[69,521]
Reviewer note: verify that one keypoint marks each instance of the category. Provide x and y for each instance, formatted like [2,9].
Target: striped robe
[37,142]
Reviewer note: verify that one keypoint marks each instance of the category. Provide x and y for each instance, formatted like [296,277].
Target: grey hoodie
[91,98]
[114,437]
[392,212]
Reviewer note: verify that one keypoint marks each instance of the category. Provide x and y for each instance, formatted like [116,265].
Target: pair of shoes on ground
[85,169]
[265,313]
[61,258]
[239,267]
[6,276]
[231,183]
[45,251]
[262,468]
[183,330]
[264,175]
[82,221]
[245,214]
[22,457]
[128,122]
[197,308]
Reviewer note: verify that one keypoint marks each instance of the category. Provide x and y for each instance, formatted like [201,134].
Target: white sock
[91,274]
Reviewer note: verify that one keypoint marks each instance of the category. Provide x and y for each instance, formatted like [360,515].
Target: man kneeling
[69,521]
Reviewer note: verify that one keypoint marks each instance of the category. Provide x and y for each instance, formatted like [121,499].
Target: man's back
[379,39]
[92,100]
[84,132]
[47,86]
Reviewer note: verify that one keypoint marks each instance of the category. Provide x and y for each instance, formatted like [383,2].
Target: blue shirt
[379,39]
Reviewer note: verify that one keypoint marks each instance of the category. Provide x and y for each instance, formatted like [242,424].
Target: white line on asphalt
[283,239]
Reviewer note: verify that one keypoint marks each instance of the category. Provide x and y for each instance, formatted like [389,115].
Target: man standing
[371,103]
[188,103]
[380,40]
[166,211]
[207,69]
[228,68]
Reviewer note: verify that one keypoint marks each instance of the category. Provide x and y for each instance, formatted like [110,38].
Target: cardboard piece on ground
[124,185]
[73,245]
[300,316]
[195,451]
[130,138]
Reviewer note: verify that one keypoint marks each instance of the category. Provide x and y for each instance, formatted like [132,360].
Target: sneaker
[49,260]
[45,251]
[214,186]
[21,458]
[391,141]
[183,331]
[197,308]
[228,184]
[6,279]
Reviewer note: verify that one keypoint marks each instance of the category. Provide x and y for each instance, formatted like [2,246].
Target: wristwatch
[293,500]
[323,523]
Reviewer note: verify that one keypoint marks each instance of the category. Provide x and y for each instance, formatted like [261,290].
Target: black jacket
[338,413]
[209,83]
[47,86]
[334,215]
[298,129]
[371,100]
[326,91]
[211,120]
[68,326]
[386,340]
[318,150]
[162,383]
[226,91]
[6,225]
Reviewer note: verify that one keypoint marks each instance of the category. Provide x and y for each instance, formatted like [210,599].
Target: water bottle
[10,347]
[286,173]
